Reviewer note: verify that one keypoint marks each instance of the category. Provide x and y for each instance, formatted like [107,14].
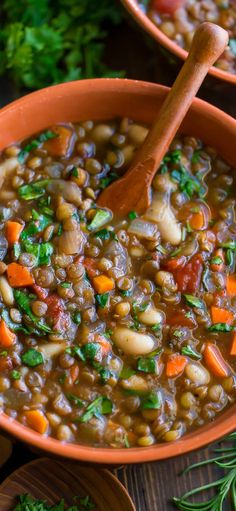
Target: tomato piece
[175,262]
[41,292]
[189,277]
[56,311]
[167,6]
[179,318]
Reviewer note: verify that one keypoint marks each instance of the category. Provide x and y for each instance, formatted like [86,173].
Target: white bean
[150,316]
[132,343]
[52,349]
[197,374]
[135,383]
[6,291]
[7,166]
[161,212]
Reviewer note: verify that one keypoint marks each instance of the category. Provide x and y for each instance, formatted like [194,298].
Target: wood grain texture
[51,480]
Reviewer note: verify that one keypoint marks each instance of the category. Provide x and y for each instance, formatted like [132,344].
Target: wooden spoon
[133,190]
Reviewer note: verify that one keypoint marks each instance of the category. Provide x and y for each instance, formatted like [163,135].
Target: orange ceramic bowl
[143,20]
[106,99]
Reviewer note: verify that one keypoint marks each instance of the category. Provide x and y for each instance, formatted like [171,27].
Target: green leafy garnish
[41,251]
[24,303]
[102,299]
[229,257]
[66,285]
[188,183]
[75,400]
[47,135]
[106,181]
[196,156]
[105,375]
[193,301]
[191,352]
[216,260]
[32,358]
[126,372]
[101,406]
[37,225]
[220,327]
[132,215]
[152,402]
[105,234]
[146,364]
[28,503]
[101,217]
[15,375]
[34,190]
[76,318]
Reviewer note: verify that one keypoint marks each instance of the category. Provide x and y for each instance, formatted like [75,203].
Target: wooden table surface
[151,485]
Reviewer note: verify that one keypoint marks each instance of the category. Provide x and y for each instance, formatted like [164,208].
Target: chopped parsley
[220,327]
[193,301]
[47,135]
[152,401]
[191,352]
[32,358]
[34,190]
[100,406]
[102,299]
[132,215]
[15,375]
[146,364]
[101,217]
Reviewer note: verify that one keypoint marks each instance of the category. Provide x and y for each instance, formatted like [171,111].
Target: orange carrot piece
[104,343]
[103,284]
[215,361]
[233,346]
[7,337]
[175,365]
[59,145]
[36,420]
[219,315]
[218,267]
[231,285]
[13,231]
[19,276]
[197,221]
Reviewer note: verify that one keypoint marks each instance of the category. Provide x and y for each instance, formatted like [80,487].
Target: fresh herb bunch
[225,487]
[44,43]
[27,503]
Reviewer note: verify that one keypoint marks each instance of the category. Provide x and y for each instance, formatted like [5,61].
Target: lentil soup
[115,333]
[178,20]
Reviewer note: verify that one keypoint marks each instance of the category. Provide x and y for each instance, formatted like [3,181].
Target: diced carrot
[103,284]
[233,346]
[175,365]
[231,285]
[197,213]
[19,276]
[104,343]
[218,267]
[90,265]
[215,361]
[59,145]
[13,230]
[219,315]
[197,221]
[7,337]
[36,420]
[74,373]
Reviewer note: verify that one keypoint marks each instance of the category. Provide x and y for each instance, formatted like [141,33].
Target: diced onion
[68,189]
[71,242]
[143,229]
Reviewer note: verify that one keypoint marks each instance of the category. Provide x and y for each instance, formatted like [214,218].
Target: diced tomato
[189,277]
[56,312]
[167,6]
[90,265]
[179,318]
[175,263]
[40,292]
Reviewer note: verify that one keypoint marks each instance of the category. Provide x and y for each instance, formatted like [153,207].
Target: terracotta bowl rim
[142,19]
[191,441]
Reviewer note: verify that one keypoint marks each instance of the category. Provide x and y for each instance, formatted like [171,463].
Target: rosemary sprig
[225,487]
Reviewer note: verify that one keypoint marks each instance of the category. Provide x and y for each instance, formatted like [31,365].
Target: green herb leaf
[191,352]
[188,183]
[100,406]
[193,301]
[152,402]
[75,400]
[132,215]
[101,217]
[76,318]
[15,375]
[216,260]
[34,144]
[220,327]
[102,300]
[32,358]
[126,372]
[41,251]
[34,190]
[24,303]
[106,181]
[146,364]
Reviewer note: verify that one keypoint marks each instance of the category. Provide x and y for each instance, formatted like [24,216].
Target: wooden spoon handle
[208,44]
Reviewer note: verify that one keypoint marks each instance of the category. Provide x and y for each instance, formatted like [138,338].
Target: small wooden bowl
[50,480]
[143,20]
